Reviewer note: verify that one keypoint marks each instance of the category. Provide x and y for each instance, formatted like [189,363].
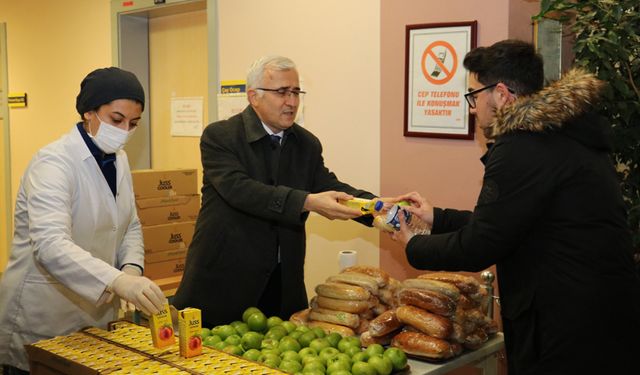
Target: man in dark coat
[550,215]
[249,243]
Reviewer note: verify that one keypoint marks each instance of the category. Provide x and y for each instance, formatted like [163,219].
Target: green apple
[327,353]
[252,340]
[289,326]
[314,366]
[337,366]
[290,366]
[362,368]
[398,358]
[211,340]
[308,351]
[290,355]
[306,338]
[319,344]
[289,343]
[381,364]
[374,349]
[269,344]
[205,332]
[319,332]
[248,312]
[334,338]
[276,333]
[252,355]
[360,357]
[273,321]
[233,349]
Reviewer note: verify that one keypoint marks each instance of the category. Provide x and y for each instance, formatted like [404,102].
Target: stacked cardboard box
[168,203]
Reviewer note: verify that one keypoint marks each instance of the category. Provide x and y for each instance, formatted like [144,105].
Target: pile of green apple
[299,349]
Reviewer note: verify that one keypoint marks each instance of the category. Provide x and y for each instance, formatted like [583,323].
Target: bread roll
[354,307]
[301,317]
[386,296]
[336,317]
[342,291]
[467,303]
[353,278]
[384,324]
[426,322]
[363,327]
[476,339]
[381,277]
[434,285]
[423,345]
[429,300]
[466,284]
[366,339]
[329,327]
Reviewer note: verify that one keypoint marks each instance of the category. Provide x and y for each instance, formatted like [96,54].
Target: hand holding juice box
[162,328]
[190,330]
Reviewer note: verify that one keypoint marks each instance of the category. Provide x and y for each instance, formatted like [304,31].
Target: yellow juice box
[190,332]
[162,328]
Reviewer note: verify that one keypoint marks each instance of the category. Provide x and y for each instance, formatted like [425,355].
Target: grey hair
[257,69]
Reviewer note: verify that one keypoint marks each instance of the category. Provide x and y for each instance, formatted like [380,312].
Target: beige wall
[447,172]
[51,46]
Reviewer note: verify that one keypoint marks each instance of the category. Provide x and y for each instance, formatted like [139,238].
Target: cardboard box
[163,256]
[152,183]
[169,285]
[42,362]
[179,208]
[168,268]
[164,237]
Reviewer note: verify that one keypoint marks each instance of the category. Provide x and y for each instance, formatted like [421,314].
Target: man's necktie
[275,141]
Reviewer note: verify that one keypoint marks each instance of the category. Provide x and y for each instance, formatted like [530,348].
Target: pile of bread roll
[438,315]
[346,302]
[434,316]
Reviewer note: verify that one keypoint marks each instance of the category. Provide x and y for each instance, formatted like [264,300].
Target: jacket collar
[253,128]
[548,109]
[79,143]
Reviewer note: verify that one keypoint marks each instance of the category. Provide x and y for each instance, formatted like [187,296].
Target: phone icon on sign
[441,56]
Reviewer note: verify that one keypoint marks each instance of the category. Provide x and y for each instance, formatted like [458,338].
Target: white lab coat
[71,237]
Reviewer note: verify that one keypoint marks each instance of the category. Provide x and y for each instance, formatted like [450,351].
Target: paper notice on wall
[186,117]
[231,104]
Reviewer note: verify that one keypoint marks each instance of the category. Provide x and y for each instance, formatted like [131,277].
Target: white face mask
[109,138]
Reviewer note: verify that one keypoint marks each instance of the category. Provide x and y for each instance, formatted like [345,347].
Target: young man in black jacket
[550,215]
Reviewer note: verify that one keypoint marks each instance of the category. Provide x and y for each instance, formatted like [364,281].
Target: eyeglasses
[472,95]
[284,91]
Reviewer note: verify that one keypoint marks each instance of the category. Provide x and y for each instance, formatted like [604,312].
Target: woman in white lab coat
[77,239]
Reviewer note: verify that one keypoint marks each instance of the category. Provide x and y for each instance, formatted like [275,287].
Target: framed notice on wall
[436,81]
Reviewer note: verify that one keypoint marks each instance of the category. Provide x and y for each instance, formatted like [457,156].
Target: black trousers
[10,370]
[271,301]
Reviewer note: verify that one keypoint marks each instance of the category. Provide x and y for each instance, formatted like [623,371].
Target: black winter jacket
[550,215]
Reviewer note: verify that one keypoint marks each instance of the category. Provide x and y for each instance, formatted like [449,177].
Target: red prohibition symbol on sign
[440,74]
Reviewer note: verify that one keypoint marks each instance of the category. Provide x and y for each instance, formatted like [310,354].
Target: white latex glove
[140,291]
[124,304]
